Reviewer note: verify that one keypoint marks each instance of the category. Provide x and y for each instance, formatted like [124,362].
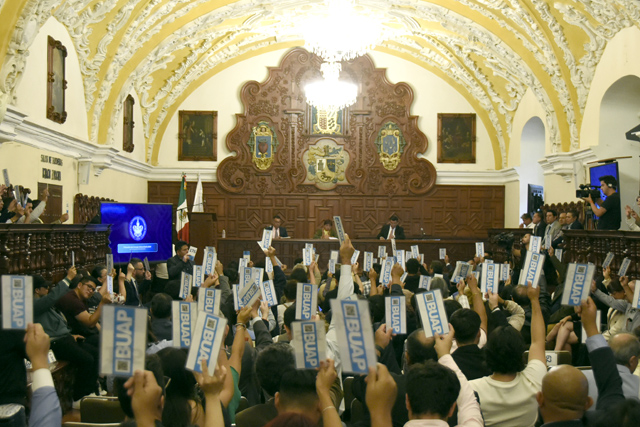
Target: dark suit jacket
[135,297]
[385,232]
[283,231]
[175,267]
[258,415]
[539,229]
[576,225]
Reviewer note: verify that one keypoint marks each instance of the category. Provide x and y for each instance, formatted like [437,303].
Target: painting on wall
[456,138]
[56,83]
[198,137]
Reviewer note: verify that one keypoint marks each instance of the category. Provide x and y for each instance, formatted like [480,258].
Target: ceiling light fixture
[330,93]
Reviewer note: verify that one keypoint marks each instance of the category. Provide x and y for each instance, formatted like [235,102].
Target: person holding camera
[609,211]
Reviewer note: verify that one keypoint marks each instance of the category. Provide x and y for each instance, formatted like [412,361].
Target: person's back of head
[299,275]
[377,308]
[182,388]
[504,350]
[466,323]
[232,275]
[437,267]
[291,419]
[291,290]
[161,306]
[564,395]
[420,348]
[520,297]
[451,306]
[413,266]
[298,394]
[288,318]
[432,391]
[626,350]
[272,363]
[152,363]
[439,283]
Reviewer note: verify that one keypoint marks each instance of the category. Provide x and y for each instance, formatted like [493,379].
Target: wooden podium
[202,232]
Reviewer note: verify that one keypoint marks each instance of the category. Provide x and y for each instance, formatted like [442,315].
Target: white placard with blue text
[332,266]
[382,252]
[245,276]
[558,254]
[442,253]
[197,276]
[505,269]
[577,284]
[532,269]
[109,263]
[464,301]
[334,255]
[17,302]
[607,261]
[425,282]
[432,313]
[242,264]
[269,293]
[123,340]
[309,345]
[462,270]
[385,273]
[480,249]
[268,265]
[415,252]
[184,318]
[209,261]
[535,244]
[368,261]
[306,301]
[396,313]
[206,342]
[192,252]
[235,290]
[393,246]
[624,266]
[339,228]
[354,257]
[109,283]
[209,300]
[307,256]
[249,295]
[400,256]
[490,278]
[355,335]
[266,239]
[185,285]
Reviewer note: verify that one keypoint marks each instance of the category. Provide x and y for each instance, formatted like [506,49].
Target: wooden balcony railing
[45,249]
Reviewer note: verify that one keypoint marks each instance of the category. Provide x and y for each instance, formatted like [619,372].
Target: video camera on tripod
[586,190]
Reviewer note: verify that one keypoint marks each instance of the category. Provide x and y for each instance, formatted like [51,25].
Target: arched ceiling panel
[491,51]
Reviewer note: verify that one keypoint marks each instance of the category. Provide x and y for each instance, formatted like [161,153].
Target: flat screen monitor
[595,172]
[139,230]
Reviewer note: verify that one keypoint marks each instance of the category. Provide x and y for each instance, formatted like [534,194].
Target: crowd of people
[490,369]
[17,208]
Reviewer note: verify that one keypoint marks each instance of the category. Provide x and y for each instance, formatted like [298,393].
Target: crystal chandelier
[330,93]
[340,33]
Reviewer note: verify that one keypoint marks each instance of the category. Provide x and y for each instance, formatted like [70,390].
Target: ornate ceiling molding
[491,49]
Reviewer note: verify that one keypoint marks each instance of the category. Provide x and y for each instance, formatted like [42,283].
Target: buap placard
[415,252]
[266,239]
[268,265]
[533,264]
[184,318]
[480,249]
[425,282]
[109,263]
[192,253]
[334,255]
[355,335]
[269,293]
[624,266]
[109,283]
[339,229]
[309,343]
[209,300]
[249,295]
[432,313]
[505,269]
[577,284]
[385,273]
[185,285]
[123,340]
[354,257]
[17,302]
[382,252]
[206,342]
[490,279]
[306,301]
[332,266]
[536,244]
[209,261]
[442,253]
[396,313]
[607,261]
[197,276]
[368,261]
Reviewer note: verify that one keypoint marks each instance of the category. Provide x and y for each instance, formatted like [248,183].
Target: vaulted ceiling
[491,51]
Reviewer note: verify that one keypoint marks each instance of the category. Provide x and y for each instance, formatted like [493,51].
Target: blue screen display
[139,230]
[596,172]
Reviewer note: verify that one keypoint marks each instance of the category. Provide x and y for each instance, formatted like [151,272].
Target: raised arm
[91,320]
[40,305]
[538,330]
[478,303]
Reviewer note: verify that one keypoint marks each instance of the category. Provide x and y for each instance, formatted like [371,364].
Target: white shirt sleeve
[468,408]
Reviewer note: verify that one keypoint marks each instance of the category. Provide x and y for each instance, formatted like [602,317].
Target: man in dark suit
[278,231]
[540,226]
[137,283]
[468,356]
[391,230]
[180,262]
[572,220]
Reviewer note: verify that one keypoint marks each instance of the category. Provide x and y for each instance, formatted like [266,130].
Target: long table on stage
[287,250]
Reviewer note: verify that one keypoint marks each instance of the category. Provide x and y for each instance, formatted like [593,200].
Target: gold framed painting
[198,137]
[456,138]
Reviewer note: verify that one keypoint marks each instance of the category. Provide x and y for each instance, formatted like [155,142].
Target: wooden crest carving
[279,101]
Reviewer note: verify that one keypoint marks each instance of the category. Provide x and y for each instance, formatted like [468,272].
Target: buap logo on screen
[137,228]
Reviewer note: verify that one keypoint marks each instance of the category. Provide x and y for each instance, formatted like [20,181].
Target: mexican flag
[182,217]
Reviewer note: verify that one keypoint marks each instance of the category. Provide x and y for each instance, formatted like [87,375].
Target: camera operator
[609,211]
